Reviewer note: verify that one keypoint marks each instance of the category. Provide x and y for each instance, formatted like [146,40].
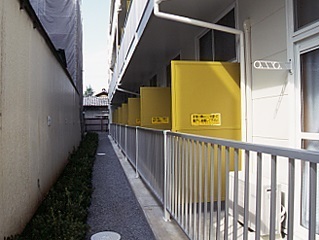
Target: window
[306,13]
[169,71]
[309,71]
[206,47]
[153,81]
[225,43]
[217,45]
[309,100]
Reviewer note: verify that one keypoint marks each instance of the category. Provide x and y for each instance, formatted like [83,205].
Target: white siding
[270,106]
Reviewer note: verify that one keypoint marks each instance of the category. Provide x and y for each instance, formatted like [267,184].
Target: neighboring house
[39,115]
[96,112]
[278,55]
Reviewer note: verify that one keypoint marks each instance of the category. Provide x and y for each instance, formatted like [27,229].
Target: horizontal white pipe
[127,91]
[194,22]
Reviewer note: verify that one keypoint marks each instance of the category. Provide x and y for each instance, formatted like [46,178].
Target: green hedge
[63,213]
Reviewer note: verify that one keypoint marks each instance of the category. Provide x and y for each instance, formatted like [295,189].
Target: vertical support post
[227,153]
[136,154]
[258,194]
[291,198]
[166,192]
[219,190]
[235,206]
[273,196]
[312,200]
[246,199]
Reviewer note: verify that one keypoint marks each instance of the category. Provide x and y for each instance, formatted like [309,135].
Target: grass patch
[63,213]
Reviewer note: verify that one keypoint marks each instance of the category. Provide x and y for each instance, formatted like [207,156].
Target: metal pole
[166,193]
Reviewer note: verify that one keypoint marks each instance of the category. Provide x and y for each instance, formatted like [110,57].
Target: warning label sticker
[211,119]
[160,120]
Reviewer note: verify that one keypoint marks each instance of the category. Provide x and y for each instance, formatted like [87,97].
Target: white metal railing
[210,185]
[144,148]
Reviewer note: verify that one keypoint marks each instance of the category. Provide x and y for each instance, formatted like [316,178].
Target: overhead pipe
[127,91]
[213,26]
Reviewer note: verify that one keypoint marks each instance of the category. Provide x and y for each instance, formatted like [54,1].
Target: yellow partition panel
[134,113]
[114,116]
[119,114]
[206,101]
[124,112]
[156,107]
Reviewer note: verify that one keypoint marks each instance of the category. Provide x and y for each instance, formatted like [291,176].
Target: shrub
[63,213]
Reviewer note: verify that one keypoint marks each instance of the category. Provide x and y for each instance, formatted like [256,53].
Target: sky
[95,15]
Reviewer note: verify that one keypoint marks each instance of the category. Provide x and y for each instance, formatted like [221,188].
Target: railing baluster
[166,176]
[191,196]
[219,187]
[227,193]
[200,195]
[183,183]
[175,177]
[273,196]
[205,189]
[187,154]
[212,194]
[125,142]
[195,190]
[291,198]
[246,198]
[235,207]
[312,200]
[179,191]
[258,194]
[137,153]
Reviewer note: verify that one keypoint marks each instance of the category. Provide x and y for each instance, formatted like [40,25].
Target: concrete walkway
[114,206]
[122,203]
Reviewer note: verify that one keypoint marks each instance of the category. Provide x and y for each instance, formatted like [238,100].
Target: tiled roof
[95,101]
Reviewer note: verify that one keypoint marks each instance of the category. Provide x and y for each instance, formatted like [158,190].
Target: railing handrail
[293,153]
[301,154]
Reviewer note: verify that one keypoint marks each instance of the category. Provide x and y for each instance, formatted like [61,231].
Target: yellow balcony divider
[114,117]
[156,107]
[134,112]
[119,114]
[206,102]
[124,113]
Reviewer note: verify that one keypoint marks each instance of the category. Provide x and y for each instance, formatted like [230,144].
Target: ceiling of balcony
[162,40]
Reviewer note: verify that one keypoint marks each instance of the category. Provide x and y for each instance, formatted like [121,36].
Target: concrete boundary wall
[39,118]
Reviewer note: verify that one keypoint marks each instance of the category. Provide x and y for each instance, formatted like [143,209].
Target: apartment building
[276,45]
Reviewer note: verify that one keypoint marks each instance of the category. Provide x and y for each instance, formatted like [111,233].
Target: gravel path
[114,206]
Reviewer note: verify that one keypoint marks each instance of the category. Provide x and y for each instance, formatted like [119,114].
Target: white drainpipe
[217,27]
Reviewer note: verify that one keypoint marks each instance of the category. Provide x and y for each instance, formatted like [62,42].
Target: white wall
[33,87]
[269,117]
[269,102]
